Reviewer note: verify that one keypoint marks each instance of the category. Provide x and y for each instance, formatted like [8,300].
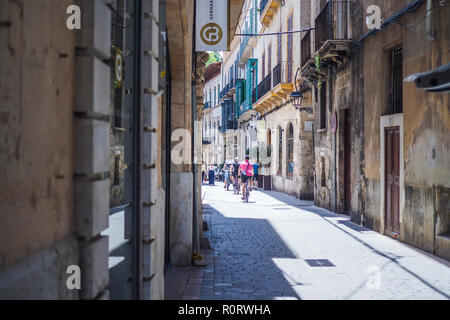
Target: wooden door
[347,161]
[392,180]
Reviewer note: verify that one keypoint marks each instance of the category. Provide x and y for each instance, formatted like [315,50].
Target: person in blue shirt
[255,179]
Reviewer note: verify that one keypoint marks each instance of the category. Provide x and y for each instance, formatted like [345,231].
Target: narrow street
[278,247]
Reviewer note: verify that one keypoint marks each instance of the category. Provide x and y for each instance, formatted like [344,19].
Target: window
[280,151]
[269,58]
[215,96]
[396,74]
[323,106]
[279,47]
[290,47]
[290,151]
[263,65]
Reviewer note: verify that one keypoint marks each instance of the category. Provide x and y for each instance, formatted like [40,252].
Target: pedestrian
[203,173]
[211,175]
[255,175]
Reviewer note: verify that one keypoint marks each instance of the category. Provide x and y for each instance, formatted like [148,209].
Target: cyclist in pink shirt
[246,172]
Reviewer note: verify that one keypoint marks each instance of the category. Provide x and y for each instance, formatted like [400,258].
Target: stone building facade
[266,56]
[212,116]
[408,126]
[58,129]
[375,136]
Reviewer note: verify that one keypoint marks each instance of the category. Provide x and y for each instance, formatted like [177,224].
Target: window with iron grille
[323,107]
[396,83]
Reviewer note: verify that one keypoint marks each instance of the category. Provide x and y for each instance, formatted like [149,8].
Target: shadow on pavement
[323,213]
[243,260]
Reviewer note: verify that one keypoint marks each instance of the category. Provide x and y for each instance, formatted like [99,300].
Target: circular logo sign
[211,34]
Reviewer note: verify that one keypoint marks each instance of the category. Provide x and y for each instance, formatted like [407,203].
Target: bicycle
[247,192]
[236,185]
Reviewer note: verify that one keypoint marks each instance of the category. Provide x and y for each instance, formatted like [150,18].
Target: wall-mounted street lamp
[297,96]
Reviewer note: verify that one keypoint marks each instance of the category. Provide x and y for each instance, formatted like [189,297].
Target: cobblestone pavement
[278,247]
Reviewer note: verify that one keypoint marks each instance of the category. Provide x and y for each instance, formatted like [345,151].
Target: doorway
[392,178]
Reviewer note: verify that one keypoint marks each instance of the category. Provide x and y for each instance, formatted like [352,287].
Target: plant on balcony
[318,67]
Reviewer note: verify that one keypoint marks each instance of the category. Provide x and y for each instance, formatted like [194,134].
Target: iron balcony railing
[281,73]
[228,125]
[306,48]
[232,83]
[255,92]
[332,22]
[265,85]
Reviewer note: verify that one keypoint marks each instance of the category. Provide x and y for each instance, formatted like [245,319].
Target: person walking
[203,173]
[255,180]
[211,175]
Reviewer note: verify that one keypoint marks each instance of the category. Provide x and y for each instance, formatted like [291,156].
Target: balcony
[306,48]
[232,86]
[206,140]
[265,85]
[275,88]
[227,91]
[228,125]
[332,40]
[248,42]
[267,9]
[245,106]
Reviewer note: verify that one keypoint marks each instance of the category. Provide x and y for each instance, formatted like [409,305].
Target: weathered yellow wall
[36,108]
[426,121]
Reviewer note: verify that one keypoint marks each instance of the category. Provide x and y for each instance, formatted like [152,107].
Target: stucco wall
[426,124]
[36,109]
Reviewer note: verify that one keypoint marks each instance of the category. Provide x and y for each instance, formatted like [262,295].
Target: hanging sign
[211,25]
